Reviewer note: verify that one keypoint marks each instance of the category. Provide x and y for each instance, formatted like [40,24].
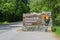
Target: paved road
[14,35]
[7,27]
[9,32]
[33,36]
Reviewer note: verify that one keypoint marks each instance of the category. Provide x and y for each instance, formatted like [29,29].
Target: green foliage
[56,29]
[5,22]
[53,28]
[46,5]
[35,5]
[56,14]
[40,5]
[58,20]
[12,10]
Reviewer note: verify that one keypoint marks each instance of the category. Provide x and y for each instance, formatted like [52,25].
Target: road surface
[7,27]
[15,35]
[9,32]
[33,36]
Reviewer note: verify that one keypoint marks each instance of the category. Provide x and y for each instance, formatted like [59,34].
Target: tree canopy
[12,10]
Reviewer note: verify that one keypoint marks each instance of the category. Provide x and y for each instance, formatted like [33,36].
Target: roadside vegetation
[12,10]
[56,29]
[5,22]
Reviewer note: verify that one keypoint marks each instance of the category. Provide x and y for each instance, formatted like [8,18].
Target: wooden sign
[31,19]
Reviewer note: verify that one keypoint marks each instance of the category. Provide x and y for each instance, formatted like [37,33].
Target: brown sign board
[31,19]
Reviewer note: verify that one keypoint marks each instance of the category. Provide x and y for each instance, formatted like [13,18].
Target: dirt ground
[57,37]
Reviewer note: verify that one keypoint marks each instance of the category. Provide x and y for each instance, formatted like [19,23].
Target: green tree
[46,5]
[12,10]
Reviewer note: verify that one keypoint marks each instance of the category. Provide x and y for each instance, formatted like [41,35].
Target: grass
[5,22]
[57,30]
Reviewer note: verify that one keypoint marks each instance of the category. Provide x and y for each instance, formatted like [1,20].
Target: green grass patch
[56,29]
[5,22]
